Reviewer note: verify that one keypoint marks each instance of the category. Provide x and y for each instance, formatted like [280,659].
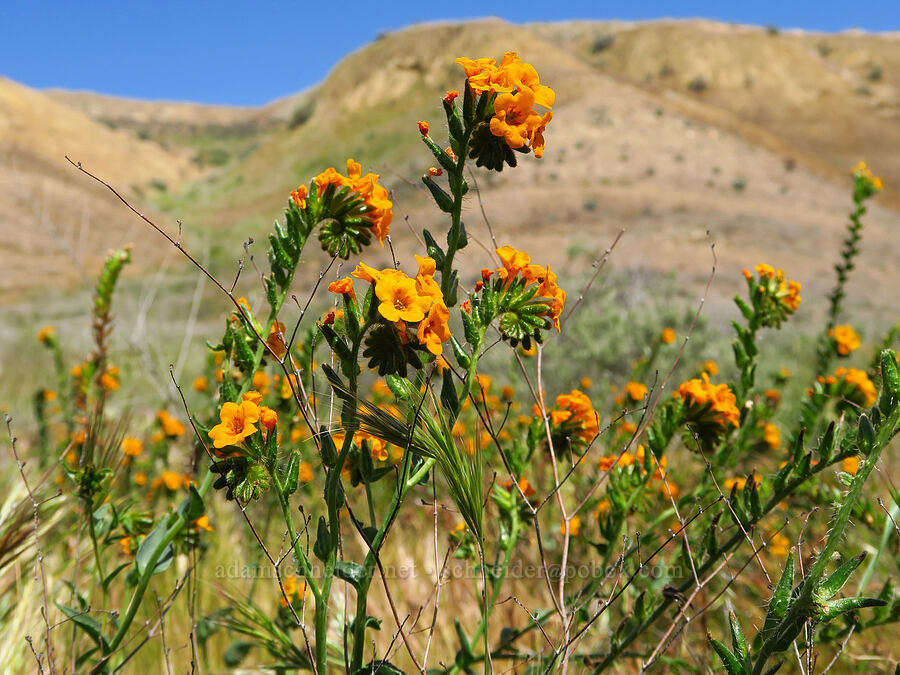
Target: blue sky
[249,54]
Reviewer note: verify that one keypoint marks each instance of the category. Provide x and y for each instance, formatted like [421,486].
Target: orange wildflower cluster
[374,195]
[519,89]
[626,459]
[516,262]
[710,402]
[857,386]
[845,339]
[171,427]
[667,336]
[862,172]
[294,589]
[132,447]
[787,291]
[377,447]
[46,335]
[238,420]
[575,411]
[407,300]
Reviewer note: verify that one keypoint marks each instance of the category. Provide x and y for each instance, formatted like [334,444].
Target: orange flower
[513,262]
[343,286]
[170,425]
[132,447]
[46,335]
[400,299]
[435,171]
[846,339]
[574,526]
[435,329]
[268,418]
[850,465]
[772,436]
[451,96]
[299,196]
[710,402]
[668,336]
[514,119]
[237,423]
[635,391]
[201,383]
[423,128]
[202,523]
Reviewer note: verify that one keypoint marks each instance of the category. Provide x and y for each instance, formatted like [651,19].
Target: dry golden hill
[667,129]
[53,222]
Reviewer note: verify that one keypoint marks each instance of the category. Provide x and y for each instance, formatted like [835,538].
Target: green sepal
[441,198]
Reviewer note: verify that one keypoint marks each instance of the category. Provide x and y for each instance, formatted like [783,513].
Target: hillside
[668,129]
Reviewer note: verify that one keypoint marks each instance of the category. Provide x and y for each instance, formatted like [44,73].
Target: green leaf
[449,398]
[104,519]
[830,587]
[400,387]
[837,607]
[237,651]
[379,668]
[441,198]
[192,507]
[145,551]
[732,665]
[322,545]
[866,435]
[350,572]
[292,474]
[470,330]
[85,622]
[738,641]
[890,378]
[329,452]
[433,249]
[463,360]
[827,443]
